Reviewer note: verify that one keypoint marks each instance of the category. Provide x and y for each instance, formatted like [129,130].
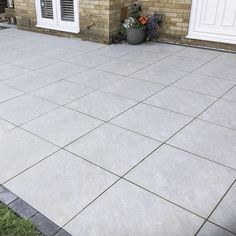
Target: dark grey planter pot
[135,36]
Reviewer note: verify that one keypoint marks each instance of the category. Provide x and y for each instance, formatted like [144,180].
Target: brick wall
[107,14]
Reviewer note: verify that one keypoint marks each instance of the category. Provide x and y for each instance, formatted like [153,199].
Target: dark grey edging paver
[24,210]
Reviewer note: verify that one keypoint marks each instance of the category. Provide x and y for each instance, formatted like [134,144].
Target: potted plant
[135,26]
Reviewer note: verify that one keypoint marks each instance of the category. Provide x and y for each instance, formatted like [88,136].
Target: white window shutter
[67,10]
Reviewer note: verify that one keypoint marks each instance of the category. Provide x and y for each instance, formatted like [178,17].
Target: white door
[213,20]
[58,15]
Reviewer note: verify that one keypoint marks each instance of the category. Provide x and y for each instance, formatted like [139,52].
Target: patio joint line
[216,207]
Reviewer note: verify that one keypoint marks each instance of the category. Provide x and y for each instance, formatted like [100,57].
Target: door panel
[213,20]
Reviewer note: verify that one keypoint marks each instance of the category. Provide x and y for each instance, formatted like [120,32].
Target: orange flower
[143,20]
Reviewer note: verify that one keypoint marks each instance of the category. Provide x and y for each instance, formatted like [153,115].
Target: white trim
[56,23]
[67,29]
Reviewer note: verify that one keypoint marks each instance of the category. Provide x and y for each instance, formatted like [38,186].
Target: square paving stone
[129,210]
[189,181]
[219,68]
[6,196]
[24,108]
[102,105]
[63,70]
[36,62]
[133,89]
[62,126]
[225,213]
[199,53]
[95,78]
[61,186]
[211,229]
[159,74]
[8,93]
[151,121]
[121,67]
[62,92]
[181,63]
[116,50]
[222,112]
[22,209]
[204,84]
[148,57]
[231,95]
[8,71]
[113,148]
[182,101]
[20,150]
[30,81]
[89,60]
[5,126]
[208,140]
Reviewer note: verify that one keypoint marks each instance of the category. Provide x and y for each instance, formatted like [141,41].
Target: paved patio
[119,140]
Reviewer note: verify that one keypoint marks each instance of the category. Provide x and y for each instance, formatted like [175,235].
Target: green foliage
[12,225]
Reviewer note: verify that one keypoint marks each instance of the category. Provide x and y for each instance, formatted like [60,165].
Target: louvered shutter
[47,9]
[67,10]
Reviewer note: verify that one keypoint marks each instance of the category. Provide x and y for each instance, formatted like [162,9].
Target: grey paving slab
[182,101]
[208,140]
[204,84]
[13,55]
[30,81]
[63,92]
[113,148]
[20,150]
[189,181]
[152,122]
[162,47]
[181,63]
[8,71]
[44,225]
[6,196]
[62,232]
[66,186]
[24,108]
[102,105]
[121,67]
[220,68]
[133,89]
[89,60]
[62,126]
[36,62]
[63,70]
[145,56]
[22,208]
[211,229]
[222,112]
[225,213]
[5,126]
[158,74]
[231,95]
[7,93]
[95,78]
[60,53]
[199,53]
[129,210]
[116,51]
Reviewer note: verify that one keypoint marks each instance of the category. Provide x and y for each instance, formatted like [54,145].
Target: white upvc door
[213,20]
[58,15]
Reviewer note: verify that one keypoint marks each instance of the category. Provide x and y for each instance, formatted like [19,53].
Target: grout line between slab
[216,207]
